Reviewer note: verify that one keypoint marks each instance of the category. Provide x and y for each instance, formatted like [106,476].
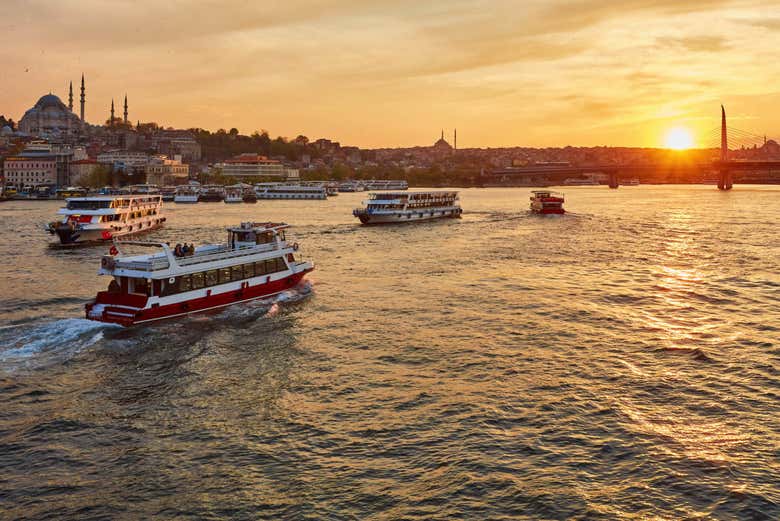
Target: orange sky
[380,73]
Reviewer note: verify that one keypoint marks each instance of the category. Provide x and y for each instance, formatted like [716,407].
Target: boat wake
[66,336]
[271,306]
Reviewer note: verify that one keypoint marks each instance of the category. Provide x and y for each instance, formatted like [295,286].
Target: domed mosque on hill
[51,117]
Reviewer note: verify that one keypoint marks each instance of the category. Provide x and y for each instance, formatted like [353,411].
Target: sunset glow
[679,138]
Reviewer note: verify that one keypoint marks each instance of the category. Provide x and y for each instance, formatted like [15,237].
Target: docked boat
[351,186]
[386,184]
[249,195]
[186,194]
[168,193]
[71,191]
[630,182]
[395,207]
[283,191]
[143,189]
[211,194]
[104,218]
[547,202]
[256,262]
[234,194]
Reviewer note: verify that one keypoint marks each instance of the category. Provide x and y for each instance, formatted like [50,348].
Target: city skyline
[544,74]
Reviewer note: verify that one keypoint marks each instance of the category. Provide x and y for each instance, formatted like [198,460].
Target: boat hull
[405,217]
[134,312]
[72,236]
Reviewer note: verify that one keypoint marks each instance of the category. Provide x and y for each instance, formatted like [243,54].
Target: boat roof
[252,226]
[407,193]
[109,197]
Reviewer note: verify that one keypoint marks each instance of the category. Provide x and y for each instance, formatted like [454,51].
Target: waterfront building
[166,172]
[254,167]
[30,171]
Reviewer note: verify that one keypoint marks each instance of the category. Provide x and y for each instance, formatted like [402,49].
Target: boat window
[237,272]
[249,271]
[224,275]
[211,278]
[280,264]
[260,268]
[197,280]
[185,283]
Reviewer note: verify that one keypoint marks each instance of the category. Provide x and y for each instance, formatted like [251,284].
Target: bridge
[723,167]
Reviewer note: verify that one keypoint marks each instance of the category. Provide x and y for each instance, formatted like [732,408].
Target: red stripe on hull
[130,317]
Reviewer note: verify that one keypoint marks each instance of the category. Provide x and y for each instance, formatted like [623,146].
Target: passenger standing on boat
[192,248]
[185,250]
[177,250]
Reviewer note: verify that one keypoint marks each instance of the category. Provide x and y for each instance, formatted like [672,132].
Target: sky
[395,73]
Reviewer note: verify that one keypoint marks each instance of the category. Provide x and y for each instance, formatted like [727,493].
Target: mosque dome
[49,116]
[6,131]
[50,101]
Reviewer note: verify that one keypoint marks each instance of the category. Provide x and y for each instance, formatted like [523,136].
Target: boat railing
[213,254]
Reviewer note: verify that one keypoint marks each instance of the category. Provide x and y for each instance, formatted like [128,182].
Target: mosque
[50,117]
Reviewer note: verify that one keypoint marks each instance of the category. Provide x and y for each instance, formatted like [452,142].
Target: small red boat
[547,202]
[257,262]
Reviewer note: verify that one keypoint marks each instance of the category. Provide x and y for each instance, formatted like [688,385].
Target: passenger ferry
[386,184]
[575,181]
[211,194]
[631,182]
[234,194]
[281,191]
[71,191]
[256,262]
[547,202]
[186,194]
[103,218]
[168,193]
[395,207]
[351,186]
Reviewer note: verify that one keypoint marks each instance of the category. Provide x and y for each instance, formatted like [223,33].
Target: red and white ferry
[547,202]
[256,262]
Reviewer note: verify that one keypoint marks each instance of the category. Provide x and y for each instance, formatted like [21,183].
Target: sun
[678,138]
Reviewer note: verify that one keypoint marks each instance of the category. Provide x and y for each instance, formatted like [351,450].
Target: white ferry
[234,194]
[143,189]
[103,218]
[256,262]
[386,184]
[186,194]
[282,191]
[395,207]
[630,182]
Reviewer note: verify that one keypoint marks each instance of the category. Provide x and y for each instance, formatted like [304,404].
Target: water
[619,362]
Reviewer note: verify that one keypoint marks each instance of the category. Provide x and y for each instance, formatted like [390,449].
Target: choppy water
[620,362]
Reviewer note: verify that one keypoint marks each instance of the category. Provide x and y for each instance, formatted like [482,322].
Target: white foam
[70,334]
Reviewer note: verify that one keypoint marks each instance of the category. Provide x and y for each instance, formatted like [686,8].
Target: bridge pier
[613,180]
[725,179]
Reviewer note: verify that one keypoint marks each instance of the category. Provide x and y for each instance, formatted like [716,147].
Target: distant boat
[546,202]
[581,182]
[630,182]
[397,207]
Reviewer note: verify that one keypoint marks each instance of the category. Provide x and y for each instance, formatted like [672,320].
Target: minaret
[125,108]
[455,138]
[112,114]
[82,97]
[70,97]
[442,133]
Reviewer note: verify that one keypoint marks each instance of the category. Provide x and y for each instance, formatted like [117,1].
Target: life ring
[172,280]
[113,250]
[295,246]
